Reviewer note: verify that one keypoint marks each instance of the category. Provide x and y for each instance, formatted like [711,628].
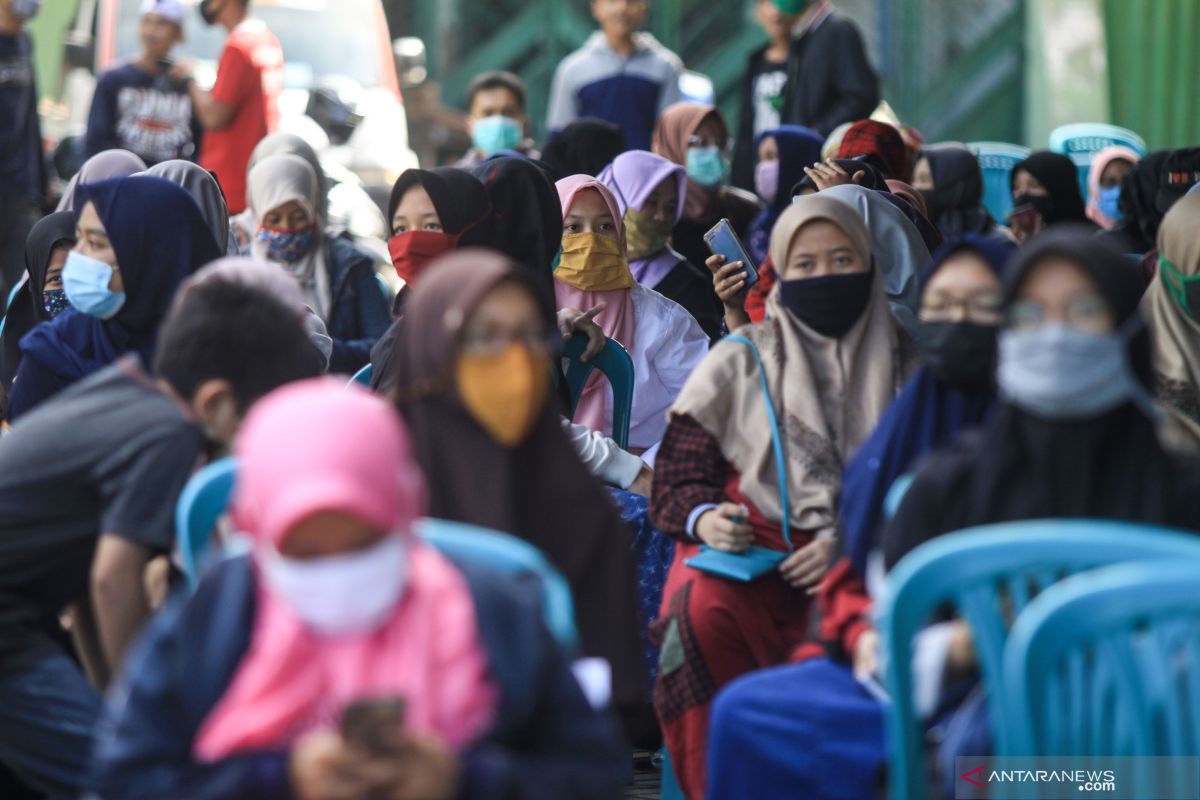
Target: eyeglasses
[491,343]
[700,140]
[1086,311]
[984,308]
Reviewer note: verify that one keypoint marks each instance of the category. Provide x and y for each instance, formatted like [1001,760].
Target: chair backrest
[1108,663]
[498,551]
[989,574]
[203,501]
[1083,140]
[616,365]
[997,160]
[362,377]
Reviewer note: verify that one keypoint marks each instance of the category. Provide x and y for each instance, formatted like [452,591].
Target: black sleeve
[102,119]
[744,157]
[32,386]
[856,86]
[139,491]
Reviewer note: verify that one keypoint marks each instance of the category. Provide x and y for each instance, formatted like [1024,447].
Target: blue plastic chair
[617,366]
[362,377]
[990,573]
[203,501]
[997,160]
[1108,663]
[1082,140]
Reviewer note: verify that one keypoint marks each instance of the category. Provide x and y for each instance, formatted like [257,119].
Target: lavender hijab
[632,177]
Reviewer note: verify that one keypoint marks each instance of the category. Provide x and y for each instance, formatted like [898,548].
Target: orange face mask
[504,392]
[593,262]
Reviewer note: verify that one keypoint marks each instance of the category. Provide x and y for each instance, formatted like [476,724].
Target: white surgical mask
[352,593]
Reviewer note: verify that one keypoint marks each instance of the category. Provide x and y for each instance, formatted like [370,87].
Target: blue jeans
[47,713]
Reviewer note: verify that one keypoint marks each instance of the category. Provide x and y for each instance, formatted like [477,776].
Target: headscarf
[900,252]
[1057,173]
[316,446]
[280,143]
[528,217]
[909,195]
[829,392]
[1100,162]
[871,179]
[1023,467]
[798,147]
[870,138]
[583,147]
[159,237]
[1174,332]
[204,189]
[675,127]
[956,200]
[28,307]
[618,319]
[926,415]
[834,142]
[276,181]
[100,167]
[461,202]
[912,205]
[539,490]
[633,177]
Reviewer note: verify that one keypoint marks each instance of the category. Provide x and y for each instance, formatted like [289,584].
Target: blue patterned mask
[287,247]
[55,301]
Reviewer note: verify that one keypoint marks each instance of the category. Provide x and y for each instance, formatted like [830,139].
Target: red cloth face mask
[413,251]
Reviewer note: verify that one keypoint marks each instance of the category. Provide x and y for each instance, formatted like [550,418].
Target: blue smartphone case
[722,240]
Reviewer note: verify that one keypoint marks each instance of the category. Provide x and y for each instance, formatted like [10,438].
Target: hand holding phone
[371,725]
[723,241]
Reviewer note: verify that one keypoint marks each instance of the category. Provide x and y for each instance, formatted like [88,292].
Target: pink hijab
[1100,162]
[618,319]
[317,446]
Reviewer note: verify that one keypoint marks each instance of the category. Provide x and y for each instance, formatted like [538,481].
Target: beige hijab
[1175,334]
[273,182]
[828,393]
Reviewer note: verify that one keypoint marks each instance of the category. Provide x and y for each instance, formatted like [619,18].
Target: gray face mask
[26,9]
[1061,373]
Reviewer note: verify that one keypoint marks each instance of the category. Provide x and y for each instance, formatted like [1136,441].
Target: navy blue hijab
[924,416]
[160,237]
[799,147]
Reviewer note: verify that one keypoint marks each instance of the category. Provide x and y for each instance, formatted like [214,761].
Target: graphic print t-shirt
[768,96]
[146,114]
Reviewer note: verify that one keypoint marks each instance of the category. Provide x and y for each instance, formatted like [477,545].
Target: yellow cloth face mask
[593,262]
[645,235]
[504,392]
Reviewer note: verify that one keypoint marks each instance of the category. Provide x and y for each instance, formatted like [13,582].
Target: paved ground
[646,778]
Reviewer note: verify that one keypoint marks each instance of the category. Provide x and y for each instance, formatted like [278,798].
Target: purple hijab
[632,177]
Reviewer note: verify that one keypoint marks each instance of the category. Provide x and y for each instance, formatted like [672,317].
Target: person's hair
[228,331]
[497,79]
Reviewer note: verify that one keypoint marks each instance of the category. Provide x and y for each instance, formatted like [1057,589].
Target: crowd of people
[722,557]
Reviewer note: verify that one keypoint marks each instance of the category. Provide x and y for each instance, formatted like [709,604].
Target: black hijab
[1059,175]
[1021,467]
[956,201]
[27,308]
[461,201]
[583,147]
[538,491]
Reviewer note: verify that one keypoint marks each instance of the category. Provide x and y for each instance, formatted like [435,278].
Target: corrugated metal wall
[1153,68]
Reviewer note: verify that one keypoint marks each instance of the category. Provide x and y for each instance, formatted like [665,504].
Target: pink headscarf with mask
[618,319]
[1100,162]
[317,446]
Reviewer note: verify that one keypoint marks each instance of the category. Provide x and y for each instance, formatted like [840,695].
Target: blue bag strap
[776,437]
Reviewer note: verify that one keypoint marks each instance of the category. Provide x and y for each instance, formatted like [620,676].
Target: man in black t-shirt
[88,487]
[138,106]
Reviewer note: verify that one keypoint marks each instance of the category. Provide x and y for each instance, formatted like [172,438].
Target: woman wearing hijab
[1046,187]
[473,384]
[337,278]
[1172,311]
[783,153]
[339,602]
[137,239]
[788,731]
[696,137]
[244,225]
[828,355]
[650,194]
[949,178]
[584,147]
[41,297]
[100,167]
[878,143]
[663,340]
[204,189]
[1108,170]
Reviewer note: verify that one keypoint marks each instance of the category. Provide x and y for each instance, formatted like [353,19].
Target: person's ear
[216,408]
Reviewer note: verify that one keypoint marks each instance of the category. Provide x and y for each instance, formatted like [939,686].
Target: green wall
[46,30]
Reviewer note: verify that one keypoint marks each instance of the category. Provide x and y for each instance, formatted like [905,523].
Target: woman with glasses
[472,380]
[697,138]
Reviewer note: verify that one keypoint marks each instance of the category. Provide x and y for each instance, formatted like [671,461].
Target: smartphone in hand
[369,724]
[722,240]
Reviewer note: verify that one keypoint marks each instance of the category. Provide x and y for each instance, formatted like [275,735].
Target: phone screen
[723,241]
[366,724]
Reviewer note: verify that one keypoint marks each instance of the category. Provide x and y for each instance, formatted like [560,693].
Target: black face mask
[831,304]
[1042,204]
[932,203]
[961,354]
[206,13]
